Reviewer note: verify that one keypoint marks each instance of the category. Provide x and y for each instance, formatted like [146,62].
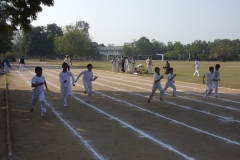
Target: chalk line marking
[85,142]
[125,124]
[164,117]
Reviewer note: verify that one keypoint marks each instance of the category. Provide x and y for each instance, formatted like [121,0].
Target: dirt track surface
[119,123]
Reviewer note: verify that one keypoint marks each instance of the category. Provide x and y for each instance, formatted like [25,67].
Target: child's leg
[209,90]
[154,88]
[63,95]
[42,103]
[161,92]
[88,89]
[35,96]
[166,86]
[172,85]
[216,88]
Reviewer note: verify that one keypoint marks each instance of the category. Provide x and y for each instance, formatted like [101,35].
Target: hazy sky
[119,21]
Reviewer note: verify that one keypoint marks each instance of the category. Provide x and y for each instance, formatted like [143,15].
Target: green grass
[229,71]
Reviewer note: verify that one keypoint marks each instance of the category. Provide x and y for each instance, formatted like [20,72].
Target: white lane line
[143,134]
[186,107]
[231,108]
[177,90]
[178,81]
[85,142]
[182,106]
[161,116]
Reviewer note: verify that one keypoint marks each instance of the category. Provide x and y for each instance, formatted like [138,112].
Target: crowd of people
[123,64]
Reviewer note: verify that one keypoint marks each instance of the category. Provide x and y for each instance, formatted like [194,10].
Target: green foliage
[5,32]
[22,13]
[11,56]
[127,51]
[72,43]
[144,46]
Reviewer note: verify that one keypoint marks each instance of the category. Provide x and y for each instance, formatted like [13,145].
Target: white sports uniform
[114,65]
[127,65]
[149,65]
[38,92]
[170,83]
[133,65]
[87,81]
[66,88]
[210,77]
[157,85]
[217,77]
[119,61]
[196,68]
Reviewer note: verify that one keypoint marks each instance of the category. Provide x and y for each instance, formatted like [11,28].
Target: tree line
[218,50]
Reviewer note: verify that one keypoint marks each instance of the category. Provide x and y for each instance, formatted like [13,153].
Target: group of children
[157,85]
[123,64]
[64,77]
[213,77]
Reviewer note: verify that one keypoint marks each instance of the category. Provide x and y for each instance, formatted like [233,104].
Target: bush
[11,56]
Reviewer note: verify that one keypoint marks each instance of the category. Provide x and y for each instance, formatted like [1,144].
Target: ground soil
[119,123]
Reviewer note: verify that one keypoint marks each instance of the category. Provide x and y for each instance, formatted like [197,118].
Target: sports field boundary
[9,142]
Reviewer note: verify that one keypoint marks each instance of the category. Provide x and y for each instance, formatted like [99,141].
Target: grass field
[229,71]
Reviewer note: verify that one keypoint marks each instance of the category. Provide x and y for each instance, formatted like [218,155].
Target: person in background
[68,61]
[21,64]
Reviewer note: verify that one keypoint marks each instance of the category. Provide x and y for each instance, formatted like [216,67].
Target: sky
[119,21]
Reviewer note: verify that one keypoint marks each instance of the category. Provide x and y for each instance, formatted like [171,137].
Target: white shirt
[156,77]
[133,61]
[127,61]
[119,60]
[217,74]
[169,77]
[37,80]
[196,64]
[68,61]
[66,76]
[87,78]
[210,76]
[149,62]
[114,61]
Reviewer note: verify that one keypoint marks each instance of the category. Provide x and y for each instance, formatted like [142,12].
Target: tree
[22,13]
[52,31]
[36,43]
[5,33]
[143,46]
[127,51]
[73,43]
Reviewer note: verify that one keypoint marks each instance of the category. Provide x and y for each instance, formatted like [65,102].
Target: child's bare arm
[95,78]
[46,85]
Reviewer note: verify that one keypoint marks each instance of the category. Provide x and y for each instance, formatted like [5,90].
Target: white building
[110,52]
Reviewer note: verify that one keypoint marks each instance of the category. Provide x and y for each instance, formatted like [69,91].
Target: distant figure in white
[127,65]
[114,61]
[21,64]
[133,64]
[119,61]
[149,65]
[68,61]
[196,67]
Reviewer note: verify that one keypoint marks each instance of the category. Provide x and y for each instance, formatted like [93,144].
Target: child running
[87,81]
[157,85]
[217,78]
[170,82]
[210,79]
[64,78]
[38,91]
